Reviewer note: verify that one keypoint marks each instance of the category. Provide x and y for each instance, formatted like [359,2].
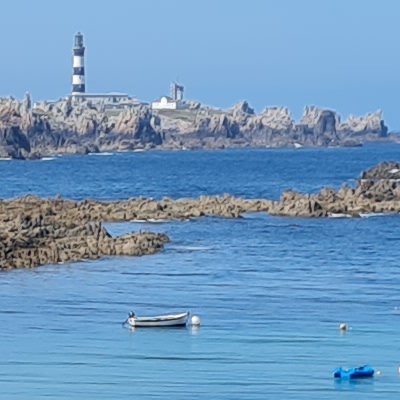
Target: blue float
[354,373]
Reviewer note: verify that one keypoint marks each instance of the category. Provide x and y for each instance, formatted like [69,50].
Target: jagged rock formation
[35,231]
[15,119]
[377,191]
[72,128]
[274,127]
[80,127]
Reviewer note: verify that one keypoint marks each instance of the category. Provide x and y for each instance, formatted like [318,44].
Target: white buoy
[195,320]
[343,327]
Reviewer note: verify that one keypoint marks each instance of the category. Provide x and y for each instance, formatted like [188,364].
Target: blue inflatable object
[354,373]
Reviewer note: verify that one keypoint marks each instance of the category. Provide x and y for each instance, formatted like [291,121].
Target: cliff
[80,127]
[274,127]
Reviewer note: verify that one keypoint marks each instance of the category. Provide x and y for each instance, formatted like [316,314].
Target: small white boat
[159,320]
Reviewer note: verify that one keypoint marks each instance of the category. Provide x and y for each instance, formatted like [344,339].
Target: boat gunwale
[161,318]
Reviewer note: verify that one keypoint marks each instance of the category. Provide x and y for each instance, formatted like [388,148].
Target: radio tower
[78,76]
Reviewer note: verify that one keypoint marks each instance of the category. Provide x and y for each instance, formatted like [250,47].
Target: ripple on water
[270,291]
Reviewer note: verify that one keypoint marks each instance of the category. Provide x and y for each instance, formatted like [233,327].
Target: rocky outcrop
[377,191]
[35,231]
[370,124]
[15,120]
[73,128]
[13,143]
[78,127]
[274,127]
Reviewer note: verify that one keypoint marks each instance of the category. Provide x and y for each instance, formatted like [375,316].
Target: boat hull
[159,321]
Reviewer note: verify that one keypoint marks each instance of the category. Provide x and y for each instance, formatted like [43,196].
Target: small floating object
[195,320]
[354,373]
[343,327]
[179,319]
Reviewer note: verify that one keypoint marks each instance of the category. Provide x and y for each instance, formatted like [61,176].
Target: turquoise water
[270,291]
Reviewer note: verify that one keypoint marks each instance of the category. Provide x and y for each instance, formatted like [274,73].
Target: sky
[339,54]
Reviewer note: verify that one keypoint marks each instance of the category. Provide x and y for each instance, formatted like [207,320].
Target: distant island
[82,126]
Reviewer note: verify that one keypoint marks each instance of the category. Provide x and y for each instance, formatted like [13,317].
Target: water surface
[270,291]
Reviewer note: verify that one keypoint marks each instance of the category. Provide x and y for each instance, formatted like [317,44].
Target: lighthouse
[78,76]
[109,100]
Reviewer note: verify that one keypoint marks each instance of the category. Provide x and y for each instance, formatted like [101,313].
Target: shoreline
[54,156]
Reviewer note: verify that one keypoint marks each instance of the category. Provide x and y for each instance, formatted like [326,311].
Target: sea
[270,291]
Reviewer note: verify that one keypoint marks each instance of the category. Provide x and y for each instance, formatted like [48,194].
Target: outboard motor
[130,315]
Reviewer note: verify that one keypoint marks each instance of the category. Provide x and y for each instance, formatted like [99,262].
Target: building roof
[99,95]
[168,98]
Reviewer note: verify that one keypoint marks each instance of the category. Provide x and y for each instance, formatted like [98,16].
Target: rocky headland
[29,131]
[36,231]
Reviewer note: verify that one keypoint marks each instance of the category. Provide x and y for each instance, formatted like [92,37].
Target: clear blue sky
[341,54]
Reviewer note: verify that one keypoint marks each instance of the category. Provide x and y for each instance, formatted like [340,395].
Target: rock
[79,127]
[386,170]
[371,123]
[242,108]
[13,143]
[377,191]
[326,126]
[36,231]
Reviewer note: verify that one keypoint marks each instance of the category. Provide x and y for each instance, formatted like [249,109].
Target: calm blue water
[270,291]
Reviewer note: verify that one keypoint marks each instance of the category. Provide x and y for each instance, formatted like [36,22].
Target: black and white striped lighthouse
[78,76]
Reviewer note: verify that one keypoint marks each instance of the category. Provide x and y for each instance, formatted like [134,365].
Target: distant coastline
[82,126]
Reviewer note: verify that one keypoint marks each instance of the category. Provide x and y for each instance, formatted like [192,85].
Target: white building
[108,98]
[166,103]
[173,102]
